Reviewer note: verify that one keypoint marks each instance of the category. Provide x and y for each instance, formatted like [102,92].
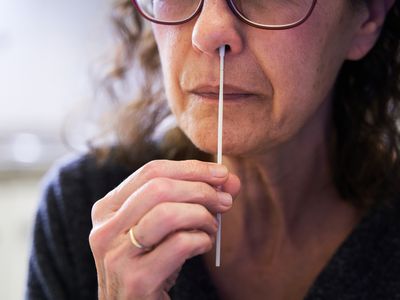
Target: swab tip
[222,51]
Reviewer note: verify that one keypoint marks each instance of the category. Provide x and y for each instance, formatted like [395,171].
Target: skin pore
[288,219]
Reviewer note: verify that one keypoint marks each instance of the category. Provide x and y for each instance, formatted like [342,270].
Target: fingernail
[218,170]
[225,198]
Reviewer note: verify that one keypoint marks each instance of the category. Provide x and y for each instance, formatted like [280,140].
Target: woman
[310,152]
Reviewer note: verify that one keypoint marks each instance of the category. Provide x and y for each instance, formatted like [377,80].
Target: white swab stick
[219,144]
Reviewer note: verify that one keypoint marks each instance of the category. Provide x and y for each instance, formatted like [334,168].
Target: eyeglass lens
[263,12]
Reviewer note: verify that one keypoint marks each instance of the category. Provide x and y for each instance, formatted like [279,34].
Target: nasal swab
[219,144]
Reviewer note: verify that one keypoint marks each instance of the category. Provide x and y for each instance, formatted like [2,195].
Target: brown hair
[365,158]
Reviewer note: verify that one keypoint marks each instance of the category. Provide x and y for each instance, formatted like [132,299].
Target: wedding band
[134,240]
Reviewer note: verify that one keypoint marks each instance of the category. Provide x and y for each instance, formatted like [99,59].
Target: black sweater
[365,266]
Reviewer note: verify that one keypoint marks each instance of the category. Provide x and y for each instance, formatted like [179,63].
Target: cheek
[172,47]
[302,65]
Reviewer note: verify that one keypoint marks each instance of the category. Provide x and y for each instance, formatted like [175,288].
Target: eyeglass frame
[236,12]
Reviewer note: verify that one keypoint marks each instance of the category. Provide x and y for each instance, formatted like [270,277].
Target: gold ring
[134,240]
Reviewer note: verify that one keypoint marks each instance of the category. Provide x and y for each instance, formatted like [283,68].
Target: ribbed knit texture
[366,265]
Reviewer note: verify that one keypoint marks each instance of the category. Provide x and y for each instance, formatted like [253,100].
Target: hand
[171,206]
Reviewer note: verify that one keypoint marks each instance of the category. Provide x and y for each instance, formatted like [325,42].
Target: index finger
[190,170]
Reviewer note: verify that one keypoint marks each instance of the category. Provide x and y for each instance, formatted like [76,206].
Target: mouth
[231,93]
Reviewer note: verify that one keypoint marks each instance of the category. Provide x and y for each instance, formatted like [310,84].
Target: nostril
[227,49]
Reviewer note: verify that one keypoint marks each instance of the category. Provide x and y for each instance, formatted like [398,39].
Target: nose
[216,26]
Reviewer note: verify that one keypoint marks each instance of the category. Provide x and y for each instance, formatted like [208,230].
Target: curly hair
[365,155]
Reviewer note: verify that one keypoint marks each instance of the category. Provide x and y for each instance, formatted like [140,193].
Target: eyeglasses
[264,14]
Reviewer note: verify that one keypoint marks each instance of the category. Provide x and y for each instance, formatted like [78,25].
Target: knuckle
[208,243]
[96,211]
[165,214]
[183,244]
[193,167]
[202,194]
[205,193]
[98,208]
[97,240]
[159,187]
[204,243]
[204,213]
[151,169]
[191,244]
[93,240]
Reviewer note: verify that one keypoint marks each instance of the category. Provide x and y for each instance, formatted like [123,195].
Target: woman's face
[276,82]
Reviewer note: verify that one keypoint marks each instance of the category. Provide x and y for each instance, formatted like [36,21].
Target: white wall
[46,50]
[19,195]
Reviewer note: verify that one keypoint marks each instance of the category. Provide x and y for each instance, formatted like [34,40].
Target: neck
[288,195]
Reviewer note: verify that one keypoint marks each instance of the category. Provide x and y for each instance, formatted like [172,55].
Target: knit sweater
[365,266]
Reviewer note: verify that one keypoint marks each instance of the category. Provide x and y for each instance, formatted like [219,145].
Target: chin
[230,147]
[235,142]
[207,144]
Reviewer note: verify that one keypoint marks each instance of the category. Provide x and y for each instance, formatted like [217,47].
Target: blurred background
[47,53]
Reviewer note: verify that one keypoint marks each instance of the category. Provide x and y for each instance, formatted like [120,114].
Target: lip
[231,92]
